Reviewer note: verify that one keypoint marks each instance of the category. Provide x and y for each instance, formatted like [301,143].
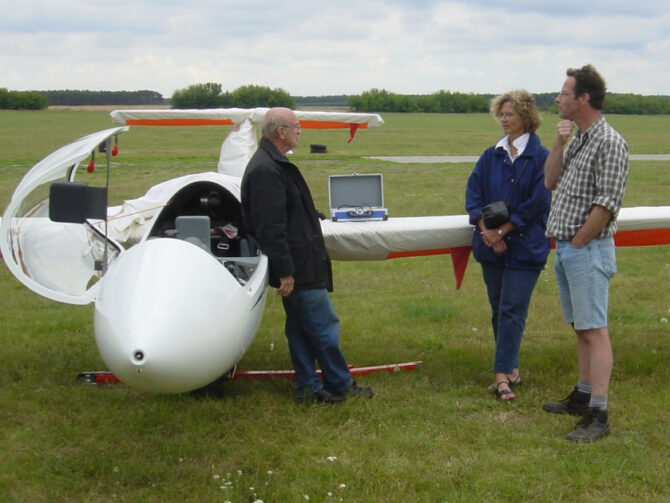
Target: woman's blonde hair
[524,103]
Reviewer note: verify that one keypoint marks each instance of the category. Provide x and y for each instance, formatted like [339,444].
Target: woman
[512,253]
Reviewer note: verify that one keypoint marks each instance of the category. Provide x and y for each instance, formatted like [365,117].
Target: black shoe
[357,390]
[591,427]
[575,403]
[325,396]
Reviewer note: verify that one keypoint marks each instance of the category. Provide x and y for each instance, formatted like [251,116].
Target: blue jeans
[313,332]
[583,277]
[509,293]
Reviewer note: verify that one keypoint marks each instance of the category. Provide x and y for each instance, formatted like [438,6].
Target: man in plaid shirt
[588,179]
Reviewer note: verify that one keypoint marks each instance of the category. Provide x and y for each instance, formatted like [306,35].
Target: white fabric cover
[643,217]
[238,115]
[376,240]
[237,149]
[242,141]
[128,223]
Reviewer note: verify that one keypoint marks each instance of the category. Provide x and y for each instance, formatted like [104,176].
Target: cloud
[315,48]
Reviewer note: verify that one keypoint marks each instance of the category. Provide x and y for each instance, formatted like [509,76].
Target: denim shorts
[583,276]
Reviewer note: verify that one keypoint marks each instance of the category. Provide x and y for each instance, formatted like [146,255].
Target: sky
[317,48]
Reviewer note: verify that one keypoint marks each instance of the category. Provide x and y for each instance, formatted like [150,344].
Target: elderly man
[278,210]
[588,179]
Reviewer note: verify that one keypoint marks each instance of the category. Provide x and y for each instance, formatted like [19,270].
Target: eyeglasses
[563,94]
[296,126]
[505,116]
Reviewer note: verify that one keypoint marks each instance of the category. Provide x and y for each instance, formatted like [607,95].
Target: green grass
[431,435]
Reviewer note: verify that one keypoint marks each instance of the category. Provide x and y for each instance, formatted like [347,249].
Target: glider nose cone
[170,318]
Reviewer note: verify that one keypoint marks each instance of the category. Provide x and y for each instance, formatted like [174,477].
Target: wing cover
[229,116]
[420,236]
[396,237]
[242,141]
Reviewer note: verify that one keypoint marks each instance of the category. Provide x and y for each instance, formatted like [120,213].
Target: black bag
[495,214]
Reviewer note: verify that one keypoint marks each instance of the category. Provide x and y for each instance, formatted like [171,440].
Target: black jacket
[278,211]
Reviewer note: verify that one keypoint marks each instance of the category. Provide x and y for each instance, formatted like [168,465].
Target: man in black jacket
[278,211]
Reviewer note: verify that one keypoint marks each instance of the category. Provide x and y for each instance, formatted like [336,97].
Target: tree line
[211,95]
[74,98]
[381,100]
[39,100]
[22,100]
[331,100]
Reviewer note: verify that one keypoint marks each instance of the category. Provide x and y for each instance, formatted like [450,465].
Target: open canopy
[61,261]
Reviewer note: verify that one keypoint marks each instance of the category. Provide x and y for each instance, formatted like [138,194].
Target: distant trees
[260,96]
[210,95]
[636,104]
[71,97]
[332,100]
[199,96]
[624,103]
[37,100]
[545,101]
[22,100]
[447,102]
[381,100]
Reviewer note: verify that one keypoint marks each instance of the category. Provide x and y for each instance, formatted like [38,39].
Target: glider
[178,295]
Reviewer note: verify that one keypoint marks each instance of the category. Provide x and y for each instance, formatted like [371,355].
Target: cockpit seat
[195,230]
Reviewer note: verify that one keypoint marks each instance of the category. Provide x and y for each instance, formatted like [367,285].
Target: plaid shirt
[595,169]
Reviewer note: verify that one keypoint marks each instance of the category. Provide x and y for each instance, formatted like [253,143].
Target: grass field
[434,435]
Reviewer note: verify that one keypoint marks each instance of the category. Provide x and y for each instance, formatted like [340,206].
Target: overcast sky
[313,47]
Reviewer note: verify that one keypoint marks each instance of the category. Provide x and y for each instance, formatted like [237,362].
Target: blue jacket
[493,180]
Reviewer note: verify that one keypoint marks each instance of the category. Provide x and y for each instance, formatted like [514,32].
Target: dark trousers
[509,292]
[313,332]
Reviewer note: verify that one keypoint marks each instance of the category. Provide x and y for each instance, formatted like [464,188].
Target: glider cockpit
[207,215]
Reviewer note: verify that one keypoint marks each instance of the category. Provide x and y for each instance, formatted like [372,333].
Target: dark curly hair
[588,80]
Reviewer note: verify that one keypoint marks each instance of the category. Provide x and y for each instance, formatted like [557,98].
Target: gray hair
[273,120]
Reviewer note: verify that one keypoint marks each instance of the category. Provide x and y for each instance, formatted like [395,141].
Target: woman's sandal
[516,381]
[506,395]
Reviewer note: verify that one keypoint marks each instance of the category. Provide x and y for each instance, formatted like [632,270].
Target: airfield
[433,434]
[437,159]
